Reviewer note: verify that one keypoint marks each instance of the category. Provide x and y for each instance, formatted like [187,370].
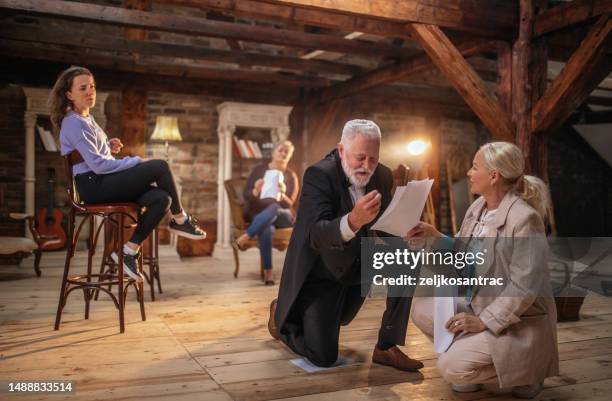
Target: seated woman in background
[506,339]
[268,213]
[100,178]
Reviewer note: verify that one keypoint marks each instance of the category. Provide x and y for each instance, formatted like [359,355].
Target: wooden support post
[432,129]
[529,71]
[504,77]
[521,58]
[134,99]
[538,155]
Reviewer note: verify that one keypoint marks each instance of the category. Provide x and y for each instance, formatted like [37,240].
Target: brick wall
[12,143]
[398,128]
[194,160]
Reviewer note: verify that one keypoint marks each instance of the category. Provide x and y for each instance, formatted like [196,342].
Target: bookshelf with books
[250,147]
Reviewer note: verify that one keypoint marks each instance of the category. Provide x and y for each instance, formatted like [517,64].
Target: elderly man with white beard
[320,290]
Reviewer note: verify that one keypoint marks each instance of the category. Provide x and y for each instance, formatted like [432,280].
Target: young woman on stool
[101,178]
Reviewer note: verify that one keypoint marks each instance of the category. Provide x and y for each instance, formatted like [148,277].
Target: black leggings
[135,185]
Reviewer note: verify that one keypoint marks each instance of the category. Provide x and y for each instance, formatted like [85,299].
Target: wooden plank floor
[205,338]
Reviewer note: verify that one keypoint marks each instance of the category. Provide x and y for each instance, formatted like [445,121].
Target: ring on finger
[456,323]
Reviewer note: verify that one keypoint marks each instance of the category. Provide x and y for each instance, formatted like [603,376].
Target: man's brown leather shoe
[396,358]
[271,321]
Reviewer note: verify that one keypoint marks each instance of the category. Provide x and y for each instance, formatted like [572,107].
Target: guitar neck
[51,196]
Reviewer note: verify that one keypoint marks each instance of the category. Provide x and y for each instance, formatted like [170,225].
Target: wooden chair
[21,247]
[280,240]
[115,215]
[457,164]
[402,175]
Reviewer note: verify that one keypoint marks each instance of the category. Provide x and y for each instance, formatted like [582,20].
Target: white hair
[353,128]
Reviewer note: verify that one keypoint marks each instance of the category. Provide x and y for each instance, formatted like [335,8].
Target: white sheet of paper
[444,309]
[270,186]
[306,365]
[405,209]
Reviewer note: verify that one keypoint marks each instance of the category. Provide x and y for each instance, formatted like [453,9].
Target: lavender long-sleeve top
[86,136]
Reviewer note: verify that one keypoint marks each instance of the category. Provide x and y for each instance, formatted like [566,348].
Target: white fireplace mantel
[232,115]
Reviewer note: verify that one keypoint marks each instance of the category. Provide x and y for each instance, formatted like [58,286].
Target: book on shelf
[236,147]
[246,149]
[249,145]
[257,149]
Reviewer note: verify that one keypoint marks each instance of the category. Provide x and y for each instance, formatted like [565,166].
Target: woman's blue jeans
[263,225]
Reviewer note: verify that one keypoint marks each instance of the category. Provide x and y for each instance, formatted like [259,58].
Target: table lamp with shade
[166,130]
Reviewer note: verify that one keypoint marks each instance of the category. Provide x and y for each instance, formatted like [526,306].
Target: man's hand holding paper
[405,209]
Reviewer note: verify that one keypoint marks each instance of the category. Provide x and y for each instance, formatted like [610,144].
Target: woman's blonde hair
[58,102]
[507,159]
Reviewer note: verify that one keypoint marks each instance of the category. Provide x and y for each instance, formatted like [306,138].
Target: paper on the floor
[444,309]
[405,209]
[306,365]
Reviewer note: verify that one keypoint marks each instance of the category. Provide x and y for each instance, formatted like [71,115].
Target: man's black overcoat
[316,242]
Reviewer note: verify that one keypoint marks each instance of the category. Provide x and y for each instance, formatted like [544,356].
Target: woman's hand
[257,187]
[115,145]
[466,323]
[423,230]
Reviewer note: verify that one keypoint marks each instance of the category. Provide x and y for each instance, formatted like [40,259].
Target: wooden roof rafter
[152,48]
[199,26]
[292,15]
[490,18]
[394,72]
[467,82]
[568,14]
[145,66]
[585,69]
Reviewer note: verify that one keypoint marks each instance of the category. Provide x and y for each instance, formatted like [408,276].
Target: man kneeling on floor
[320,289]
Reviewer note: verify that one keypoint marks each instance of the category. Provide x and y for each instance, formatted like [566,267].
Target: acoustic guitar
[49,220]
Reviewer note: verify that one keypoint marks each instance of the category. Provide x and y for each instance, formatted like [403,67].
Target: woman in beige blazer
[508,340]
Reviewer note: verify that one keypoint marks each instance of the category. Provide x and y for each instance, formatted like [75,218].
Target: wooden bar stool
[113,215]
[151,259]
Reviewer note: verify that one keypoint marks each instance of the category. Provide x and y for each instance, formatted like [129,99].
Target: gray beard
[350,175]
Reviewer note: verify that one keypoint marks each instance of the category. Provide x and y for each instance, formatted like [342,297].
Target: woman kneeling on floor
[508,340]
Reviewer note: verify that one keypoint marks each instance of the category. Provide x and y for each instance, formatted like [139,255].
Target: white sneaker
[466,388]
[530,391]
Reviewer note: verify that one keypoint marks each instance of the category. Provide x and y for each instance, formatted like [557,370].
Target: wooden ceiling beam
[394,72]
[587,67]
[198,26]
[142,65]
[491,18]
[300,16]
[599,101]
[44,73]
[591,117]
[150,48]
[568,14]
[467,82]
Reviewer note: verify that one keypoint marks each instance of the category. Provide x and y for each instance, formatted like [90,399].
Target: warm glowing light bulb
[417,147]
